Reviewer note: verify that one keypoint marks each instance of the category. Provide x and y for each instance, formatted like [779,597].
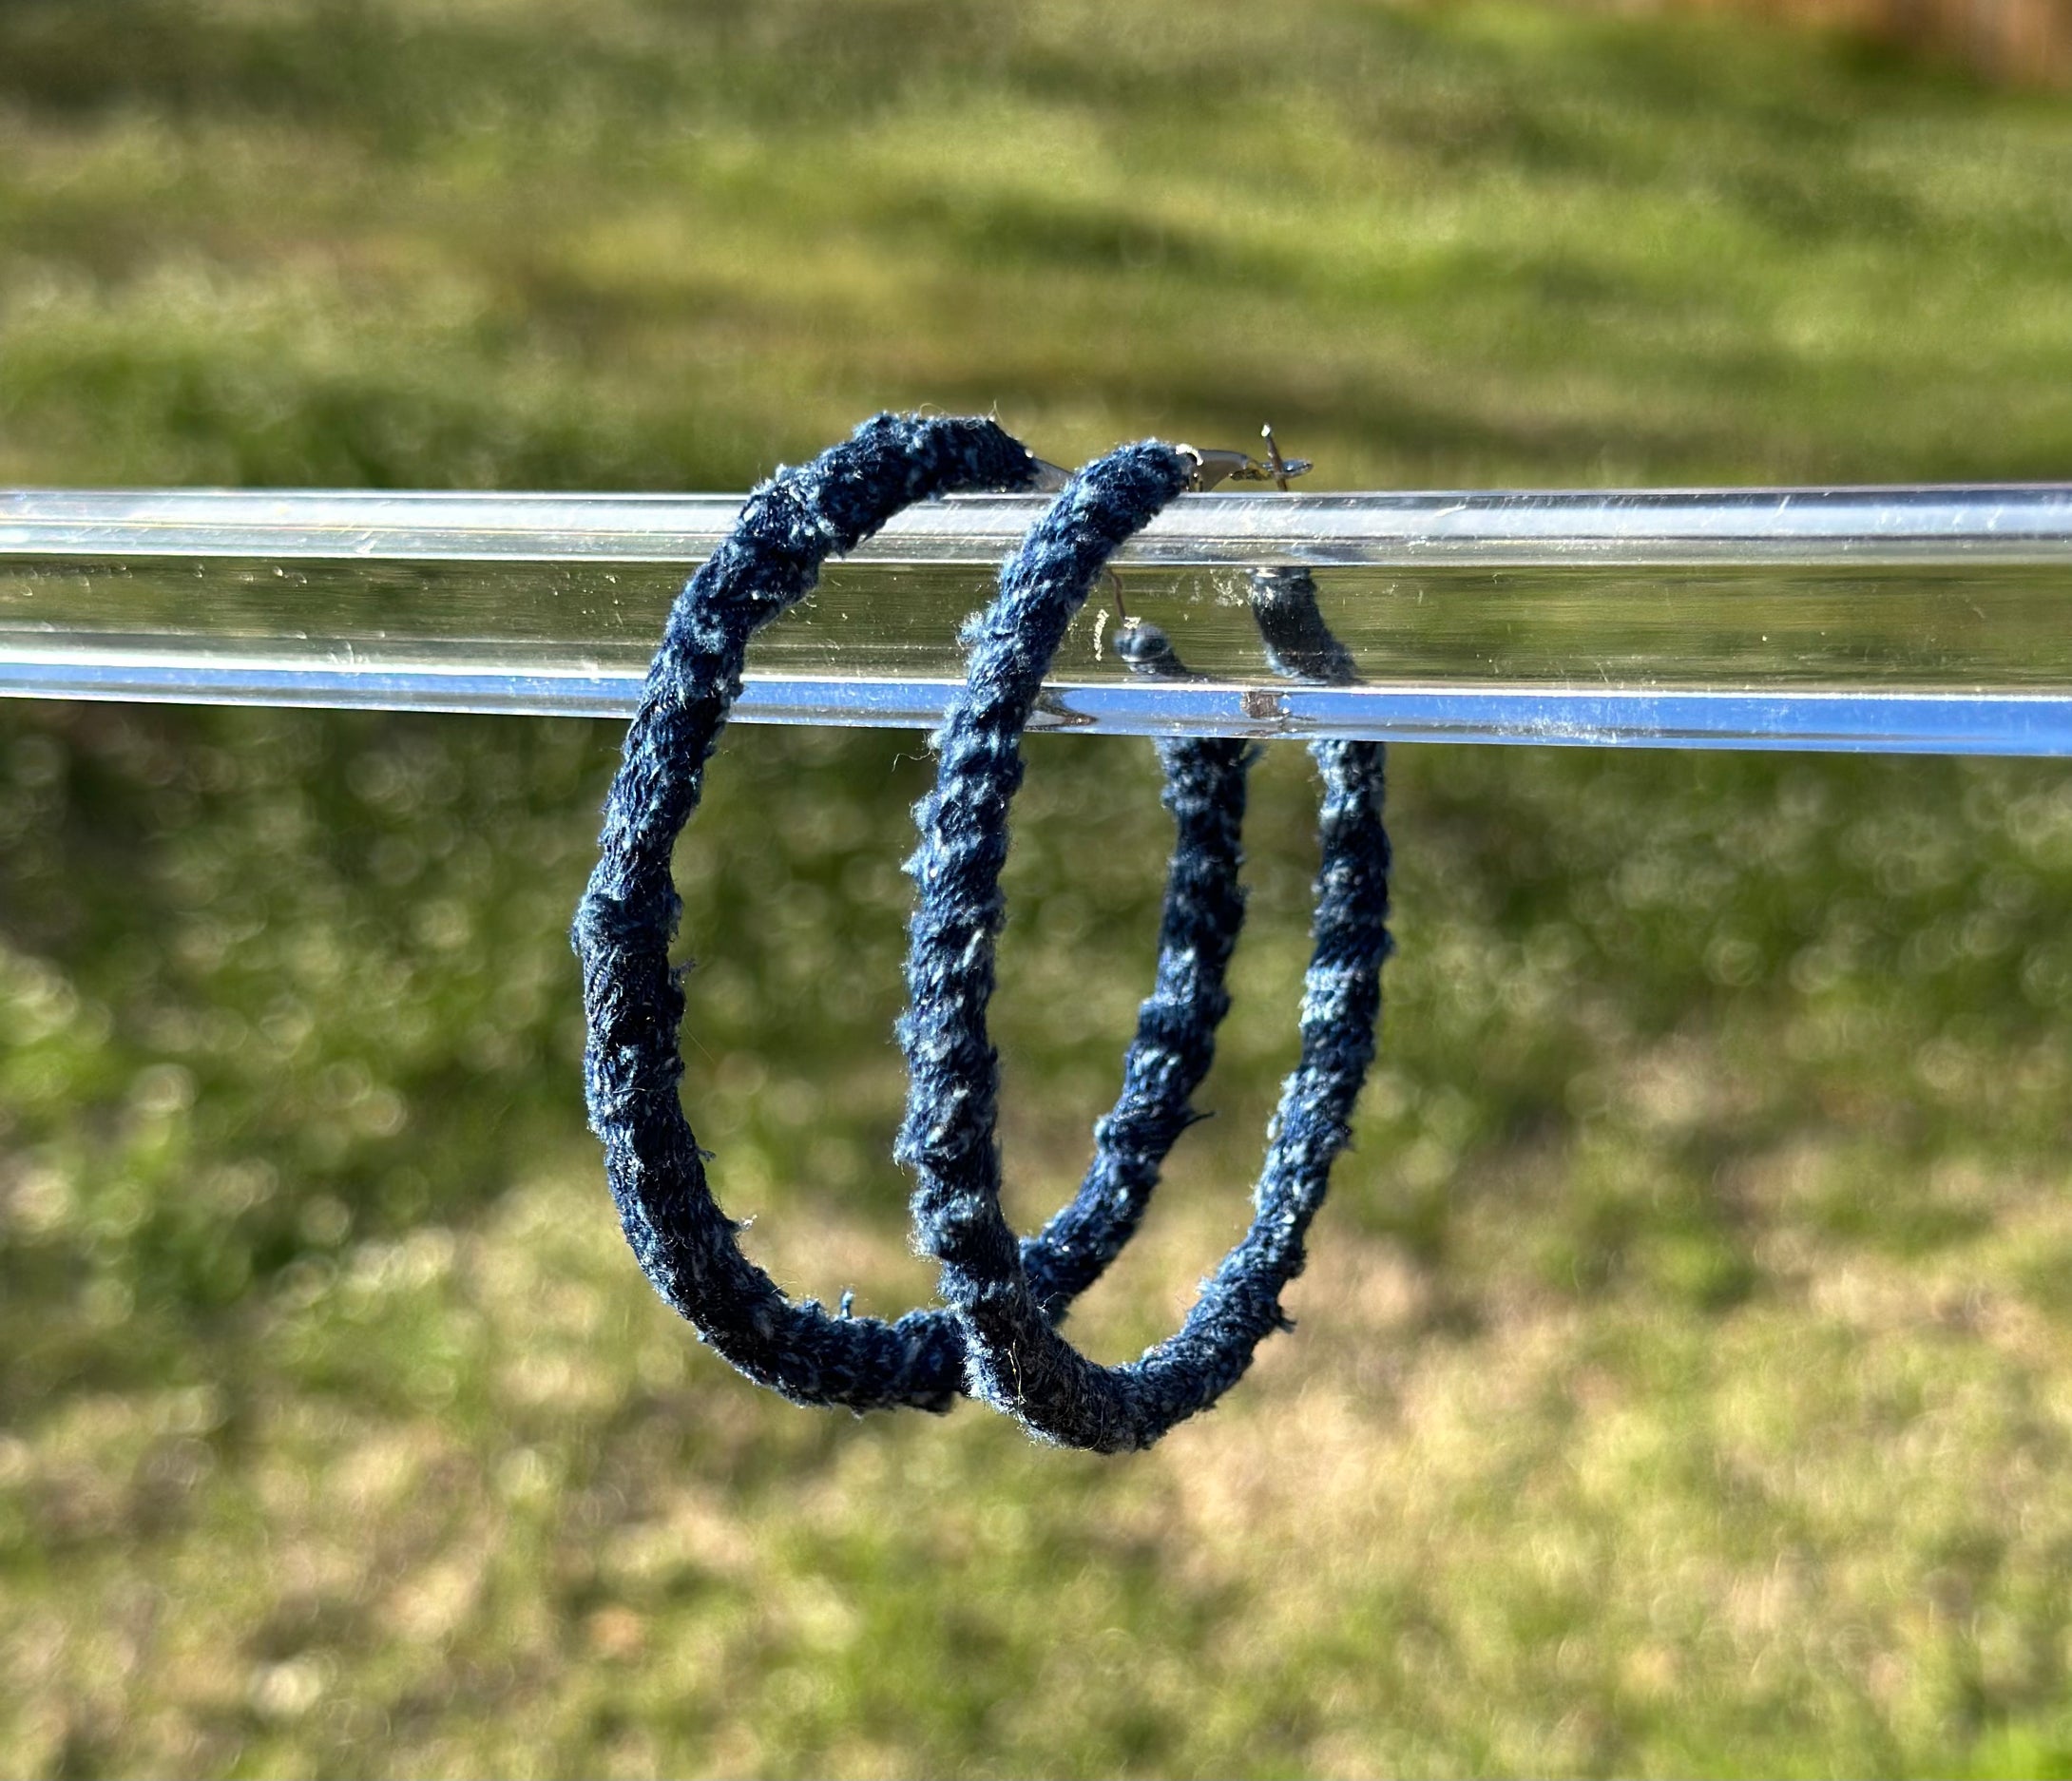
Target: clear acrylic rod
[1930,619]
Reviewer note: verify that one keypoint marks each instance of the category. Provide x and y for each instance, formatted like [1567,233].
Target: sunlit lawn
[1684,1378]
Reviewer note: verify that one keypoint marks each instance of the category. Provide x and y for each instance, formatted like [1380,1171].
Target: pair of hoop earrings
[995,1337]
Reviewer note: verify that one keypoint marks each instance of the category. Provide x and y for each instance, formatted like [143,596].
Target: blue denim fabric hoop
[1018,1361]
[634,999]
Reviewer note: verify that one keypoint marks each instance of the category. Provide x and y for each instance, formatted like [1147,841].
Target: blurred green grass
[1684,1381]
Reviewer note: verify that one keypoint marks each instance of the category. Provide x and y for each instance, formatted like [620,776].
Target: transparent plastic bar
[1928,619]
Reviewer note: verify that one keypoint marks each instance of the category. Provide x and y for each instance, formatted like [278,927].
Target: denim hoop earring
[1018,1361]
[634,999]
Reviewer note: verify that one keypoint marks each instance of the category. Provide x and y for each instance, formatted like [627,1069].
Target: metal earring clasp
[1212,468]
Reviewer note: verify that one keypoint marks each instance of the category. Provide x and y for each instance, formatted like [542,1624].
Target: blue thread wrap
[634,999]
[1018,1361]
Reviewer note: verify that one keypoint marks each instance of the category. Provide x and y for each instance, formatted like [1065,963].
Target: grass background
[1684,1381]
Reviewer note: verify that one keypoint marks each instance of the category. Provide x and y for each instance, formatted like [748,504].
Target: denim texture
[1017,1360]
[634,999]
